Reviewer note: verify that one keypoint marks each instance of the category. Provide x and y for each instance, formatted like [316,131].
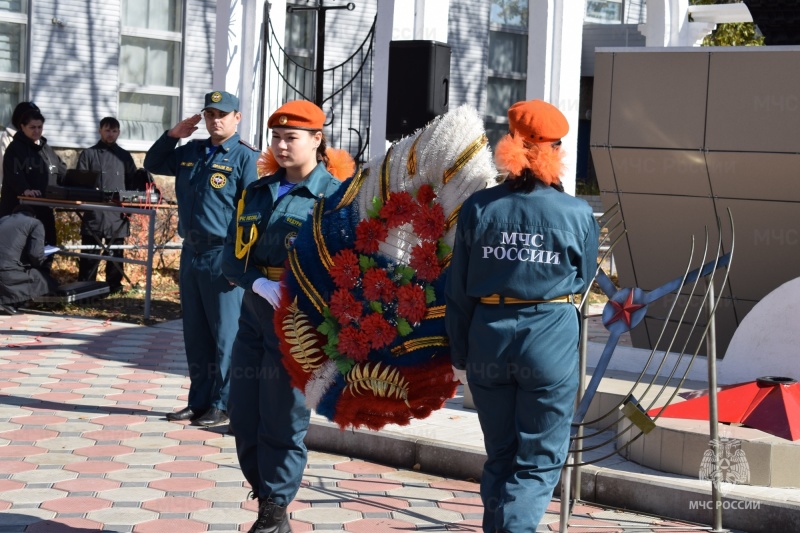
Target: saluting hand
[185,127]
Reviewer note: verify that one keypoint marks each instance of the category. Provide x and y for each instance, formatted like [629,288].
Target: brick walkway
[84,446]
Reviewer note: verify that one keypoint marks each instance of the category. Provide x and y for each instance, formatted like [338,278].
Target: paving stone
[119,406]
[121,516]
[24,495]
[33,477]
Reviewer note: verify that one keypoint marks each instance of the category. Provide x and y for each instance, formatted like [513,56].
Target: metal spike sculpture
[625,309]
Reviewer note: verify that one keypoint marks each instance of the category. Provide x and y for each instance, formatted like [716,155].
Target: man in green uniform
[210,176]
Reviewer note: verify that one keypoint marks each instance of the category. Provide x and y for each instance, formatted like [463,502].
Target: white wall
[74,67]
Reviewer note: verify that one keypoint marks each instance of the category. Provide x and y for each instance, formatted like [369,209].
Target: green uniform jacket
[277,223]
[534,245]
[207,189]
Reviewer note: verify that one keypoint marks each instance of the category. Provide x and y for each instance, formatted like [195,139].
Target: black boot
[272,518]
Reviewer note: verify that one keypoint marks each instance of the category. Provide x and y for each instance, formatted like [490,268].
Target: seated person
[117,172]
[21,259]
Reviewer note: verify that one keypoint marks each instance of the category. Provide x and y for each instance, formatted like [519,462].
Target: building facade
[149,62]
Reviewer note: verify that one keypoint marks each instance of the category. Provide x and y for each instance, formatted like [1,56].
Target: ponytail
[321,151]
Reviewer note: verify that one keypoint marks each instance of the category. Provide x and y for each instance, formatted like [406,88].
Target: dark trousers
[210,306]
[269,416]
[48,219]
[522,369]
[87,268]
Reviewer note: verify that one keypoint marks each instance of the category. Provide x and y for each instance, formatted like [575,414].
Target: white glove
[269,290]
[459,375]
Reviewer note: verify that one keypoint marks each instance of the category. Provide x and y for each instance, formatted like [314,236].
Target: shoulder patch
[253,148]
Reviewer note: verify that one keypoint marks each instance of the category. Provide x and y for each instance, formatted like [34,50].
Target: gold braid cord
[468,153]
[353,188]
[305,284]
[452,219]
[322,249]
[387,383]
[299,335]
[411,165]
[418,344]
[385,176]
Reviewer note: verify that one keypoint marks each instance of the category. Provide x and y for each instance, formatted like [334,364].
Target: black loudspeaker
[419,82]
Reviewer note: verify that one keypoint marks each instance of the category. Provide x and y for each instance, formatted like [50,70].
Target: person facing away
[269,416]
[117,172]
[29,166]
[523,249]
[11,129]
[210,176]
[21,259]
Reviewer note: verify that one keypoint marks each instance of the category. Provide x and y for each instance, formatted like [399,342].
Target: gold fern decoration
[385,383]
[300,336]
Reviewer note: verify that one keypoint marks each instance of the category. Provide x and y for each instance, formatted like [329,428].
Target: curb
[659,495]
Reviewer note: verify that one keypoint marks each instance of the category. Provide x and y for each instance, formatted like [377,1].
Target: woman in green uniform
[267,414]
[522,251]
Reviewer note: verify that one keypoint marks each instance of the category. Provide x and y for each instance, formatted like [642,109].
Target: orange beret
[300,114]
[537,121]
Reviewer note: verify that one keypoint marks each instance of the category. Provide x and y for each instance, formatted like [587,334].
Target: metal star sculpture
[625,309]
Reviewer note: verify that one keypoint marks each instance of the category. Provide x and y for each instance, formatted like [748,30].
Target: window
[508,63]
[13,55]
[604,11]
[299,62]
[150,67]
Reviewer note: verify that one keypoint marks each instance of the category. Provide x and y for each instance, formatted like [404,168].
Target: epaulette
[253,148]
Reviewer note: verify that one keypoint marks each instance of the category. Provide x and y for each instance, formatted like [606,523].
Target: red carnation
[425,261]
[345,271]
[400,209]
[411,302]
[429,222]
[377,285]
[378,330]
[425,195]
[369,232]
[353,343]
[345,307]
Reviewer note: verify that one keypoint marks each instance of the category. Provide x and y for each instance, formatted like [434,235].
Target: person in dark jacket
[117,172]
[522,251]
[29,166]
[21,258]
[11,129]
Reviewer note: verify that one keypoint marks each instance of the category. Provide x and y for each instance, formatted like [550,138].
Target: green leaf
[374,211]
[325,328]
[376,306]
[430,294]
[331,350]
[403,327]
[442,250]
[344,365]
[405,274]
[329,326]
[366,262]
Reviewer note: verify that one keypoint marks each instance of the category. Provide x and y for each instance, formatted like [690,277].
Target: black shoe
[272,518]
[10,310]
[117,289]
[187,413]
[213,417]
